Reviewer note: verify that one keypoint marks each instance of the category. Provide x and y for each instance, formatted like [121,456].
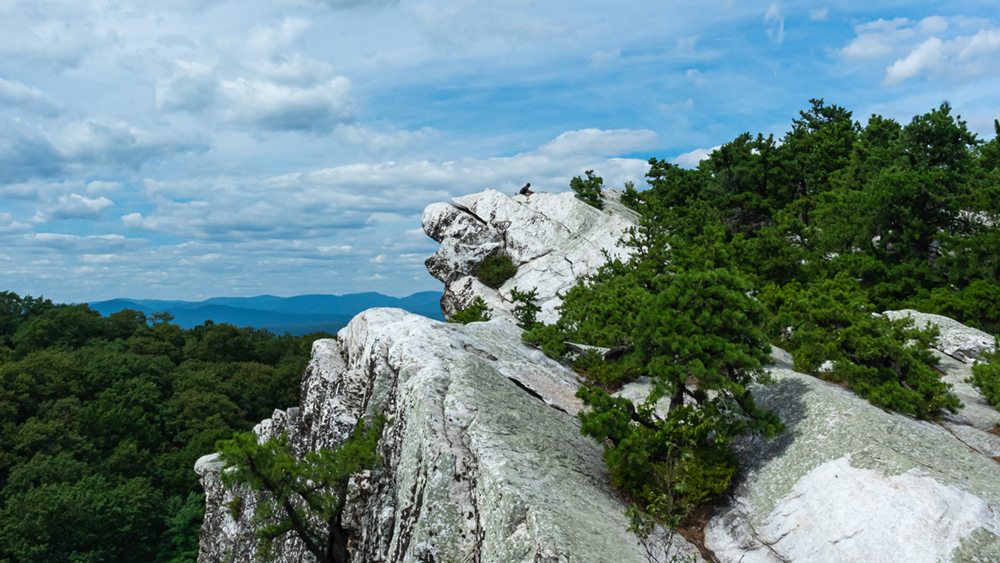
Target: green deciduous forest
[102,419]
[798,242]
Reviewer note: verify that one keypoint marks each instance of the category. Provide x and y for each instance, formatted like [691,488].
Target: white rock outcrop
[554,239]
[484,460]
[850,482]
[957,340]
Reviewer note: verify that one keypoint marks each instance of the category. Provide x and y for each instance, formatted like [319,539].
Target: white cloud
[877,38]
[818,14]
[598,142]
[933,24]
[334,249]
[51,33]
[295,71]
[961,58]
[389,195]
[381,144]
[269,40]
[932,47]
[73,206]
[691,159]
[98,187]
[191,88]
[776,24]
[101,258]
[27,98]
[9,226]
[266,105]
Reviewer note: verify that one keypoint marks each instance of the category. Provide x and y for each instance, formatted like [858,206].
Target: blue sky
[185,149]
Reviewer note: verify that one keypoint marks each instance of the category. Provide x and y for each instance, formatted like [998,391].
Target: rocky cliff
[553,239]
[484,460]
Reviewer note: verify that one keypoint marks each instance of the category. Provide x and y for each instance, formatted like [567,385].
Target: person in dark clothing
[526,190]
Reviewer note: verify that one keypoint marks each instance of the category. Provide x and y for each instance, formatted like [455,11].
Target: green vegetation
[684,316]
[800,241]
[589,190]
[102,419]
[493,271]
[526,310]
[986,374]
[887,362]
[292,494]
[476,312]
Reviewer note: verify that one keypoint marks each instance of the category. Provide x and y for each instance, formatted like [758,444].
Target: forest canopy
[102,419]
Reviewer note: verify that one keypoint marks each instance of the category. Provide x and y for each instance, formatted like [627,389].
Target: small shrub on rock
[986,375]
[887,362]
[476,312]
[589,190]
[493,271]
[526,311]
[667,466]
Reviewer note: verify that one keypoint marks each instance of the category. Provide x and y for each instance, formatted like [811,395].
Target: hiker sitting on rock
[526,190]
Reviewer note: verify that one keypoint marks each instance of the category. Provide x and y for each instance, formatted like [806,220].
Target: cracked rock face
[554,239]
[957,340]
[850,482]
[484,460]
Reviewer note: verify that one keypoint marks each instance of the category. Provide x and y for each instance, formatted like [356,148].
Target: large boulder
[850,482]
[957,340]
[553,239]
[484,460]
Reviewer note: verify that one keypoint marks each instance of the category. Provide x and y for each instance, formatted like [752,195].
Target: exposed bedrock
[554,239]
[850,482]
[484,460]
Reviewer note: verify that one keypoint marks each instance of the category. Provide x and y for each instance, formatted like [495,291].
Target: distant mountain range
[301,314]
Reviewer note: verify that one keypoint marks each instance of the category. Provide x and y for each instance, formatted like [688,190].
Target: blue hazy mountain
[301,314]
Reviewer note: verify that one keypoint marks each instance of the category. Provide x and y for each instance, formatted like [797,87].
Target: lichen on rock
[484,460]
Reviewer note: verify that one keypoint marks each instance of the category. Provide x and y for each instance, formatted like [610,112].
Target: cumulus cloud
[877,38]
[269,40]
[818,14]
[775,23]
[691,159]
[73,206]
[9,226]
[190,88]
[51,33]
[28,151]
[79,244]
[295,70]
[598,142]
[98,187]
[275,107]
[383,143]
[961,58]
[935,47]
[356,197]
[28,99]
